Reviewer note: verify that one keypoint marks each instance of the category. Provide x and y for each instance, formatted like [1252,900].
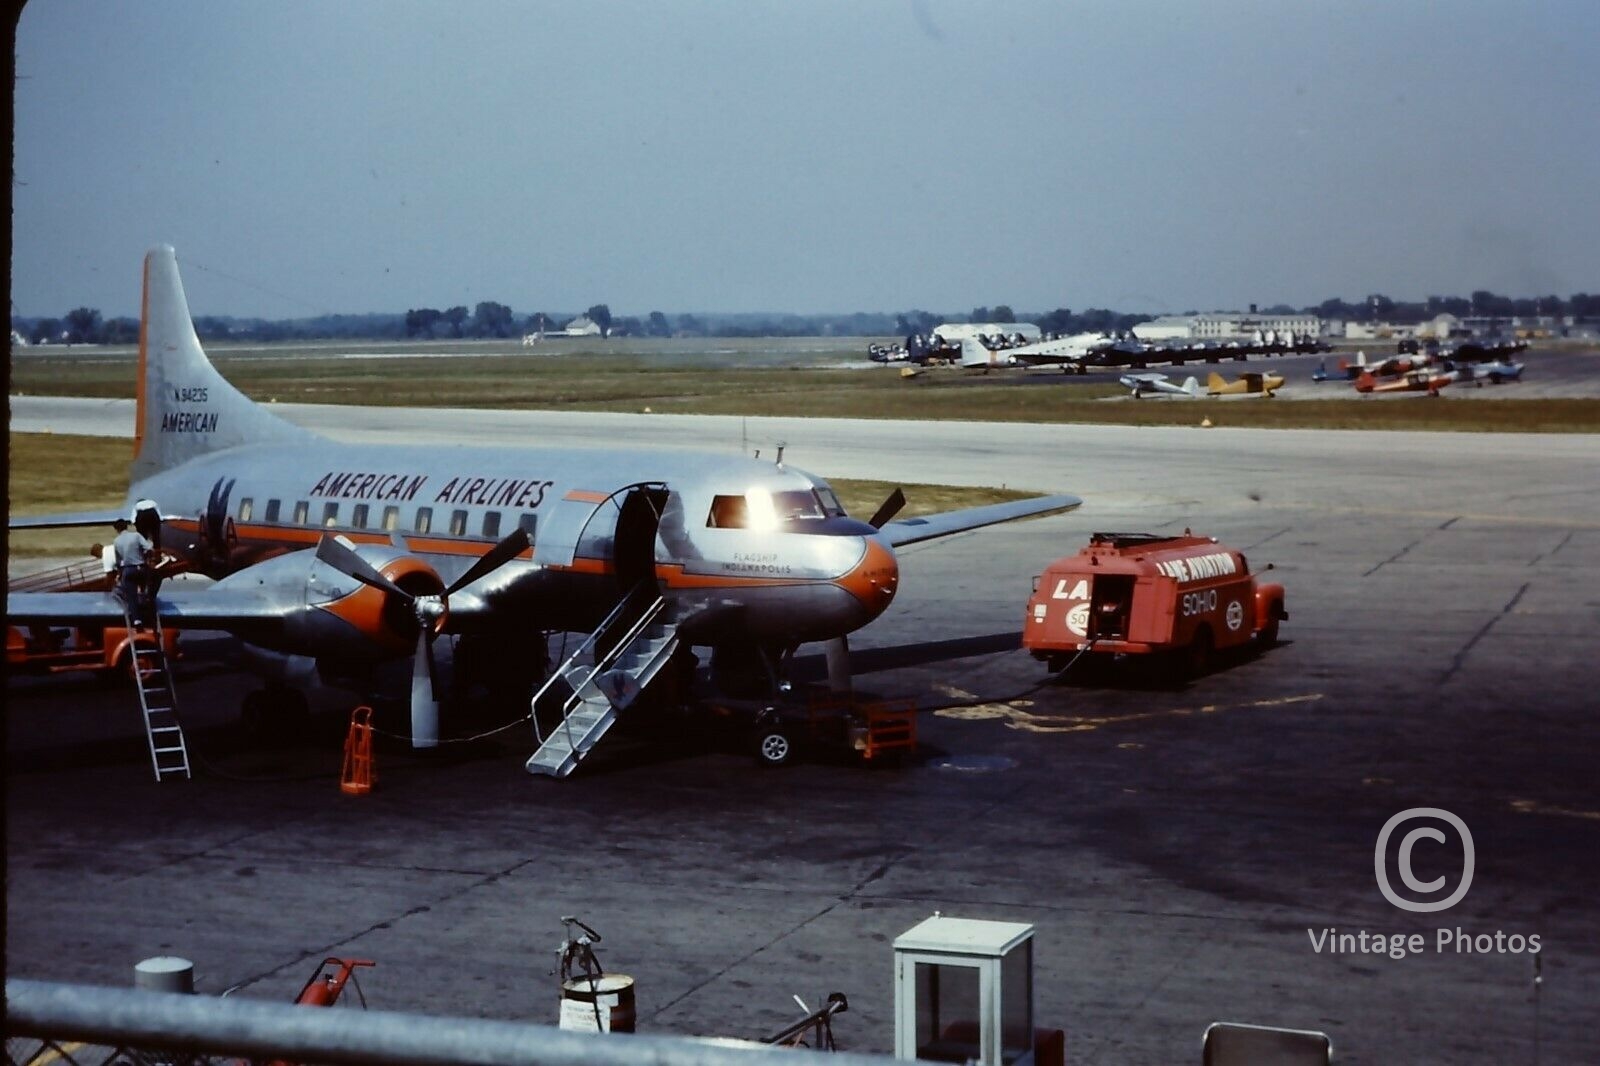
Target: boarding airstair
[604,677]
[158,700]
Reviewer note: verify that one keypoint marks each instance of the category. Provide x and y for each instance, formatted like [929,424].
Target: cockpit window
[801,503]
[728,512]
[830,502]
[761,509]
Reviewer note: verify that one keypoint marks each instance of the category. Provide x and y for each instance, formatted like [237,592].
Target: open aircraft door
[619,527]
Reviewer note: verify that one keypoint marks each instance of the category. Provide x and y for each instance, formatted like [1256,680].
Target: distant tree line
[489,319]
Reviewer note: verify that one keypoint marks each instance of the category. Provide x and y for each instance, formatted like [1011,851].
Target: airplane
[1144,384]
[330,558]
[1388,367]
[1247,383]
[1071,353]
[1413,381]
[1493,348]
[1496,372]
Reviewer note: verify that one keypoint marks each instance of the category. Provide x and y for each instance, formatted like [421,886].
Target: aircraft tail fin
[187,409]
[1215,382]
[1191,385]
[975,354]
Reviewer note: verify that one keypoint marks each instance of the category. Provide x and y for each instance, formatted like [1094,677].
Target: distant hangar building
[1226,325]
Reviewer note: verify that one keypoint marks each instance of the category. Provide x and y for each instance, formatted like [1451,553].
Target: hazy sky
[804,156]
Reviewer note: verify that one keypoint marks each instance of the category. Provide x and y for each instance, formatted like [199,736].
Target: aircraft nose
[875,578]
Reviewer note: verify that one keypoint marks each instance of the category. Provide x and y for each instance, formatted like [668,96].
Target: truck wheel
[774,745]
[1197,656]
[1269,632]
[121,672]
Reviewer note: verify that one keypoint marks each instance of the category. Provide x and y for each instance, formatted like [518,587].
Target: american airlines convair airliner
[335,555]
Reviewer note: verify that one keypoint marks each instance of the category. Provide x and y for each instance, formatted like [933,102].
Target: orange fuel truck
[1146,593]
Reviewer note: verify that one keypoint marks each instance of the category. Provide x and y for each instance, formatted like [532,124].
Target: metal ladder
[158,699]
[603,686]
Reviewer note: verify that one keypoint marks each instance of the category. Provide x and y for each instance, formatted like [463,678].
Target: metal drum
[600,1004]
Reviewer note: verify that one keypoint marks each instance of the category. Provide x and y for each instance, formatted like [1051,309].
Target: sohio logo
[1403,860]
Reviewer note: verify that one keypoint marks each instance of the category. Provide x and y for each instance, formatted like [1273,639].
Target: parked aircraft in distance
[1149,384]
[1247,383]
[1414,381]
[1496,372]
[331,557]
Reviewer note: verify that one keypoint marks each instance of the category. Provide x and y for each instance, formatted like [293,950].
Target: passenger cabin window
[247,507]
[424,522]
[728,512]
[302,510]
[391,517]
[358,516]
[528,523]
[330,514]
[491,524]
[458,523]
[273,508]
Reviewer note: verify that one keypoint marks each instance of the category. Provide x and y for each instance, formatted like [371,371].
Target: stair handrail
[620,648]
[560,671]
[64,578]
[616,652]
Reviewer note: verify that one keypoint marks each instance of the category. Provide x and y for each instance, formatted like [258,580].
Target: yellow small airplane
[1249,382]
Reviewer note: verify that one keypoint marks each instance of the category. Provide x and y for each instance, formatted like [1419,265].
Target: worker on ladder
[135,550]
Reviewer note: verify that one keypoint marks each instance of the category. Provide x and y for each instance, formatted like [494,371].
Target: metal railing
[600,661]
[72,576]
[185,1026]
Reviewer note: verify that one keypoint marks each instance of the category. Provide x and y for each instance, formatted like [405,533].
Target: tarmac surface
[1179,846]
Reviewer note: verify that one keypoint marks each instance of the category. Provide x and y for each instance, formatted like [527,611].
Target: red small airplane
[1414,381]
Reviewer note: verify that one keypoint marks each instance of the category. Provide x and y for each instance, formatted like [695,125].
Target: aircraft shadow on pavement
[813,667]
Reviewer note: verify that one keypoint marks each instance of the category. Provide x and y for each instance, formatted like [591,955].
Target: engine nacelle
[320,610]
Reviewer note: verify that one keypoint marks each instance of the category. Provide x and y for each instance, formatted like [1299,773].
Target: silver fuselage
[780,580]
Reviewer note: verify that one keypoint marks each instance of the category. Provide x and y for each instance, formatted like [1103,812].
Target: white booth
[963,992]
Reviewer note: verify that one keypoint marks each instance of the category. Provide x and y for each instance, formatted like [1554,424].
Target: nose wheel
[774,741]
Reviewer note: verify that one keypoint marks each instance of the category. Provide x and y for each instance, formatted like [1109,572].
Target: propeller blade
[512,545]
[838,655]
[424,706]
[888,509]
[347,562]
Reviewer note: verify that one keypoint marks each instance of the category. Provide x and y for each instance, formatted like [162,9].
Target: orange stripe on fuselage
[873,580]
[587,496]
[144,344]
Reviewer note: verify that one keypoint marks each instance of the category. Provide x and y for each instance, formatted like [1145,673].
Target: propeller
[887,509]
[837,651]
[429,610]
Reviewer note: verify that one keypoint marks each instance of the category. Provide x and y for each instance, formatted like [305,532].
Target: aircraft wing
[927,527]
[67,521]
[1046,358]
[235,611]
